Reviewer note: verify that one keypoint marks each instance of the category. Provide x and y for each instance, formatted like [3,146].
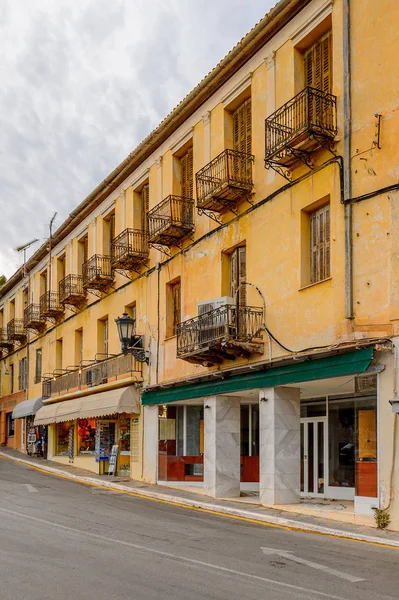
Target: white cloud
[83,82]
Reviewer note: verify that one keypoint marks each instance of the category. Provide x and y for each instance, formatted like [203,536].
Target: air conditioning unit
[213,327]
[209,305]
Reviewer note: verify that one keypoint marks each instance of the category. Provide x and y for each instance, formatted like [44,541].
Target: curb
[248,515]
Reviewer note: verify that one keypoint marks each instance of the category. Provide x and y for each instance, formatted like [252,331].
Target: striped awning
[120,400]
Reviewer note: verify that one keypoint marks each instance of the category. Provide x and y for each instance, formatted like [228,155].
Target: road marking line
[172,556]
[308,563]
[29,487]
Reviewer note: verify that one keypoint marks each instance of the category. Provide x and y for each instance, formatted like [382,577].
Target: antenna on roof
[23,248]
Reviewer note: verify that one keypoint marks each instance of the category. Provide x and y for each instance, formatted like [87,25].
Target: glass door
[313,456]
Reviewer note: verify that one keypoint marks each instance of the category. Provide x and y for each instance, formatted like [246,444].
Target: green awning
[348,363]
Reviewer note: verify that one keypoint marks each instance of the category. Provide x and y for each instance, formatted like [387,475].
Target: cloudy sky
[83,82]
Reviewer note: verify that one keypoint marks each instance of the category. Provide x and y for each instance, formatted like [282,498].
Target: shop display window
[62,438]
[181,443]
[86,436]
[353,444]
[124,434]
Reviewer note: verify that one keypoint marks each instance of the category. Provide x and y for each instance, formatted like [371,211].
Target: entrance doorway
[313,456]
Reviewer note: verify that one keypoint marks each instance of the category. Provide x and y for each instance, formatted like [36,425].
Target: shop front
[181,443]
[87,431]
[339,445]
[33,438]
[10,429]
[286,440]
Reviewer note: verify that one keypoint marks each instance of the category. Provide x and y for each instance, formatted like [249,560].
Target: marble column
[150,449]
[222,446]
[279,432]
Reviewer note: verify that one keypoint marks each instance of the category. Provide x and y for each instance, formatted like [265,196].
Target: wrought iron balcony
[224,181]
[222,333]
[171,220]
[71,290]
[97,273]
[129,250]
[33,319]
[92,374]
[5,341]
[302,125]
[16,331]
[50,307]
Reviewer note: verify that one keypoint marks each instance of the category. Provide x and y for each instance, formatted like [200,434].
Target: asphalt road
[61,540]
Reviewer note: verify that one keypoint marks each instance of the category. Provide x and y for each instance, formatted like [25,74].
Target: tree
[3,279]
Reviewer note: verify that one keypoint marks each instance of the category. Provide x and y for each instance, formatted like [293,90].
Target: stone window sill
[305,287]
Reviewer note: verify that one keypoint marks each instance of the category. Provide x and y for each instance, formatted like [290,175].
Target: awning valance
[120,400]
[348,363]
[27,408]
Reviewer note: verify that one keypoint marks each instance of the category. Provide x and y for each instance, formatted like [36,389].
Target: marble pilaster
[279,448]
[222,446]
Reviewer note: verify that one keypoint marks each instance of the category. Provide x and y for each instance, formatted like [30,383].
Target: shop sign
[7,404]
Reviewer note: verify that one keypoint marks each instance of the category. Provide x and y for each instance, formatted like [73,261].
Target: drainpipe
[347,163]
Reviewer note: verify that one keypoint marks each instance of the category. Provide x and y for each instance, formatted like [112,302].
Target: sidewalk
[252,512]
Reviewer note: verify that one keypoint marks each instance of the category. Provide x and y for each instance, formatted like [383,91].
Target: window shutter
[318,64]
[112,228]
[187,180]
[145,206]
[242,128]
[176,292]
[320,244]
[242,275]
[233,274]
[85,249]
[327,242]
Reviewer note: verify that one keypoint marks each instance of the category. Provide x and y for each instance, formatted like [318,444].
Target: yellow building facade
[251,239]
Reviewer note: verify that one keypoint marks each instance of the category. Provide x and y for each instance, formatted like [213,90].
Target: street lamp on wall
[130,342]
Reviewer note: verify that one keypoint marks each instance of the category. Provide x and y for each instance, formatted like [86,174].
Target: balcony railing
[300,124]
[16,331]
[220,333]
[71,290]
[224,181]
[5,341]
[129,250]
[97,273]
[50,307]
[171,220]
[33,319]
[95,373]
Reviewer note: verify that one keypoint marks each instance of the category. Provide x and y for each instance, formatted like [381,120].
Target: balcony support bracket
[326,143]
[95,292]
[162,249]
[125,273]
[280,170]
[210,214]
[300,155]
